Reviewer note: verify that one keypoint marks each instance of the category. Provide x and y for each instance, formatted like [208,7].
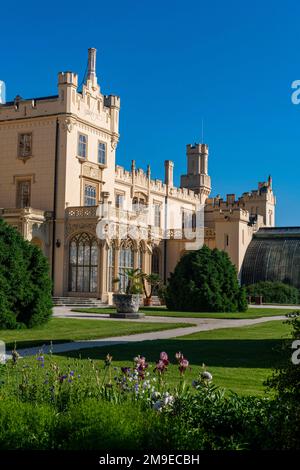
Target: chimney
[91,75]
[169,166]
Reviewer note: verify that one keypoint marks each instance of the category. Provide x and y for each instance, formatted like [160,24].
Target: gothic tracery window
[83,263]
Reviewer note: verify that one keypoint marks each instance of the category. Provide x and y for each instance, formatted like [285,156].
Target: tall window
[83,263]
[138,203]
[156,215]
[102,153]
[23,193]
[194,221]
[119,201]
[111,266]
[187,219]
[226,240]
[125,262]
[90,195]
[25,145]
[82,146]
[155,261]
[140,257]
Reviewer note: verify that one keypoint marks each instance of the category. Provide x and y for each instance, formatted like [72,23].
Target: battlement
[68,78]
[112,101]
[263,193]
[142,179]
[196,149]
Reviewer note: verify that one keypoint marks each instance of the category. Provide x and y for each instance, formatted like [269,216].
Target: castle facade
[61,188]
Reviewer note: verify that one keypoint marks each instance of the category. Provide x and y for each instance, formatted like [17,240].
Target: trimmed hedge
[274,292]
[205,281]
[25,286]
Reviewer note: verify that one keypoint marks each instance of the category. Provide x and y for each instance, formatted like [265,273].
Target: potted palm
[151,282]
[127,304]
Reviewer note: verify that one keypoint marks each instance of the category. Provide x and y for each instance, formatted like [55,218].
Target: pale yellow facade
[59,180]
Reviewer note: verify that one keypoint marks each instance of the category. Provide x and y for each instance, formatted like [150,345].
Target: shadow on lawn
[261,353]
[34,343]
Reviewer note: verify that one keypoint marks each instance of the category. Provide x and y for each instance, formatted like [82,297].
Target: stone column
[116,268]
[102,270]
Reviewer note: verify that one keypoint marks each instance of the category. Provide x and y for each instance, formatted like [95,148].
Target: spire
[91,74]
[270,181]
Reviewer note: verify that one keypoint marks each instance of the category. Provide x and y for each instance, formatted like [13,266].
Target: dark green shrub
[25,287]
[205,281]
[274,292]
[285,381]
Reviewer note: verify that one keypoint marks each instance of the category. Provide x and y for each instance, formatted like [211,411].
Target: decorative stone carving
[83,227]
[91,171]
[68,124]
[114,144]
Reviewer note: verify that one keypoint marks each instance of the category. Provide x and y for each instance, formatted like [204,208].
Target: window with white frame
[187,219]
[90,195]
[119,200]
[101,153]
[157,211]
[25,145]
[82,145]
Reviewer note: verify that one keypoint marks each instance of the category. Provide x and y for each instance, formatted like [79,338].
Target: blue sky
[173,63]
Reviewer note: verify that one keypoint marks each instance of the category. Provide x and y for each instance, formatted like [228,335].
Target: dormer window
[25,145]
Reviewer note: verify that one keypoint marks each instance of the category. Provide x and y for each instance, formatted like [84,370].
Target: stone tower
[197,178]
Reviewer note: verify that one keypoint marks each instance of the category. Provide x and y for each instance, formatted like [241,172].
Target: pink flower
[179,355]
[140,366]
[161,366]
[164,358]
[183,364]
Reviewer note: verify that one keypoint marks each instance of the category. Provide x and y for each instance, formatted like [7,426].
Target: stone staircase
[155,301]
[82,302]
[79,302]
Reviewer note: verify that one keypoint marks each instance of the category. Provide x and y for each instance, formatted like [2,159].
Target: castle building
[61,188]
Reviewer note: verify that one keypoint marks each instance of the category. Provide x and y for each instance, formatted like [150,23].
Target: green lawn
[60,330]
[160,311]
[240,359]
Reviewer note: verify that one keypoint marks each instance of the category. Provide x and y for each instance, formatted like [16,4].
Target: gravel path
[198,324]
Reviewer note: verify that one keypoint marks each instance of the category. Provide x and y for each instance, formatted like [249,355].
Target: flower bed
[47,403]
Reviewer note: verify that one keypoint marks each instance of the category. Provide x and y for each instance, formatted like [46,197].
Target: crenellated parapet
[141,180]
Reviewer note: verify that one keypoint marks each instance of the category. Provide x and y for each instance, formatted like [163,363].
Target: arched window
[111,266]
[155,261]
[83,263]
[125,262]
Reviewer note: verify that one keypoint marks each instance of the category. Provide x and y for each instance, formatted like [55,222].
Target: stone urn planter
[127,306]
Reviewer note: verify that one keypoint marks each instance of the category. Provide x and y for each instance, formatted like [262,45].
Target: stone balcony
[26,212]
[29,221]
